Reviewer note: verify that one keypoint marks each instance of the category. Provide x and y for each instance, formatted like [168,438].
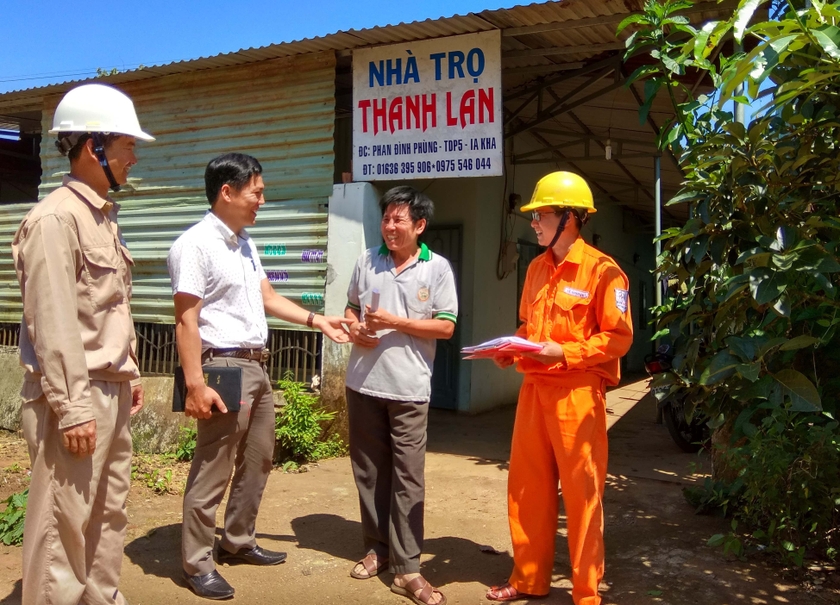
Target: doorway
[446,241]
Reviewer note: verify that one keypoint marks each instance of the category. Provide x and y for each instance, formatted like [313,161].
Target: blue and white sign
[428,109]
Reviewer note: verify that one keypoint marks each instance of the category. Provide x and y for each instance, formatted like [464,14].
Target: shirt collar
[425,253]
[574,256]
[226,232]
[105,204]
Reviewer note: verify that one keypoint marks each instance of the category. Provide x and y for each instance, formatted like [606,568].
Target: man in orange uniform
[575,303]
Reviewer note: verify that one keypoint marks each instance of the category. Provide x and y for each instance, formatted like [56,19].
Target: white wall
[634,252]
[456,203]
[353,227]
[489,305]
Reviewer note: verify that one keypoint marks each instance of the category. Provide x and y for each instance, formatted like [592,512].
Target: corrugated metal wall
[280,111]
[10,305]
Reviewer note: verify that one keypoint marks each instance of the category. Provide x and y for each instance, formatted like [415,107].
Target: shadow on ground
[656,548]
[655,545]
[444,557]
[158,552]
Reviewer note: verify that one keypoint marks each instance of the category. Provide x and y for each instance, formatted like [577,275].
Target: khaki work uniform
[77,346]
[560,432]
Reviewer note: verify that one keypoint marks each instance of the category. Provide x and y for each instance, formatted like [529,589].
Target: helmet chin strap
[99,150]
[561,227]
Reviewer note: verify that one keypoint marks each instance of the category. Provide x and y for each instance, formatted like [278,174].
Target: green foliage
[298,426]
[185,448]
[730,542]
[155,472]
[159,482]
[289,466]
[755,270]
[333,447]
[12,518]
[788,485]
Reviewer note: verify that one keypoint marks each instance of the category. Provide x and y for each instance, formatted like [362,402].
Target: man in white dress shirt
[221,296]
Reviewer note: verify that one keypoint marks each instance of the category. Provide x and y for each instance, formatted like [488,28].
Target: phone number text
[426,167]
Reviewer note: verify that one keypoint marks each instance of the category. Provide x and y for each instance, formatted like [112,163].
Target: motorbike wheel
[688,437]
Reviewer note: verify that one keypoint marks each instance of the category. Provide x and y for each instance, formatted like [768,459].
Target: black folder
[226,381]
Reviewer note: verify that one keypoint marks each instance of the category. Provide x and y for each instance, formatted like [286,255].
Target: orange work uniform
[560,432]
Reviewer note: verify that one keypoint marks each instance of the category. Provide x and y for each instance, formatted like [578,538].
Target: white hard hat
[97,108]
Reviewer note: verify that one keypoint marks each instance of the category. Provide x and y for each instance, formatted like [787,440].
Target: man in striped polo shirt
[401,299]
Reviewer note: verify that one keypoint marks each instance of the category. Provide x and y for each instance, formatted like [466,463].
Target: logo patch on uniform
[575,292]
[423,294]
[621,298]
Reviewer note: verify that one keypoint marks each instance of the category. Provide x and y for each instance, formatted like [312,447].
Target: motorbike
[690,436]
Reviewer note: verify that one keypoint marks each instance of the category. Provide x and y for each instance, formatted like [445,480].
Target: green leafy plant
[185,448]
[155,471]
[12,518]
[298,425]
[289,466]
[755,270]
[159,482]
[788,485]
[333,447]
[730,542]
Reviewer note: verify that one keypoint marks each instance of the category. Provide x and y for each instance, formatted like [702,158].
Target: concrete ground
[656,546]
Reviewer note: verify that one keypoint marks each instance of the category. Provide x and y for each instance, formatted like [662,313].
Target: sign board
[428,109]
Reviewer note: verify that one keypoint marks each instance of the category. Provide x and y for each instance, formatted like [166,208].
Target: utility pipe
[657,187]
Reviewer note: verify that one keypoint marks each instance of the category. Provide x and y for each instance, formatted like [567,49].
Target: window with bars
[9,336]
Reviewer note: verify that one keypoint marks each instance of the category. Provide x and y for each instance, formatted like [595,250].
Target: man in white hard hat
[77,345]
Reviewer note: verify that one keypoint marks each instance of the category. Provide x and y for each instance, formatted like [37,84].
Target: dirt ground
[656,546]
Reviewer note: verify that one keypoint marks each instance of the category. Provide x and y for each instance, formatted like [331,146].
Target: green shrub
[787,493]
[298,425]
[754,313]
[11,519]
[331,448]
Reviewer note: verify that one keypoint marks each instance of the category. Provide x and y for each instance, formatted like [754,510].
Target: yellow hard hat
[563,189]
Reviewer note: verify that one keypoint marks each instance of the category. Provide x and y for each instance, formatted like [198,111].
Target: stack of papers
[505,344]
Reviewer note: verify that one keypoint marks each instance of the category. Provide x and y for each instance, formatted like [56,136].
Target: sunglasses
[560,211]
[536,215]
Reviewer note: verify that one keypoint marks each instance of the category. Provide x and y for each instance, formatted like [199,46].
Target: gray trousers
[388,454]
[244,440]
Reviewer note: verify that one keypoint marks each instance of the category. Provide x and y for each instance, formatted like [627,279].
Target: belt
[260,355]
